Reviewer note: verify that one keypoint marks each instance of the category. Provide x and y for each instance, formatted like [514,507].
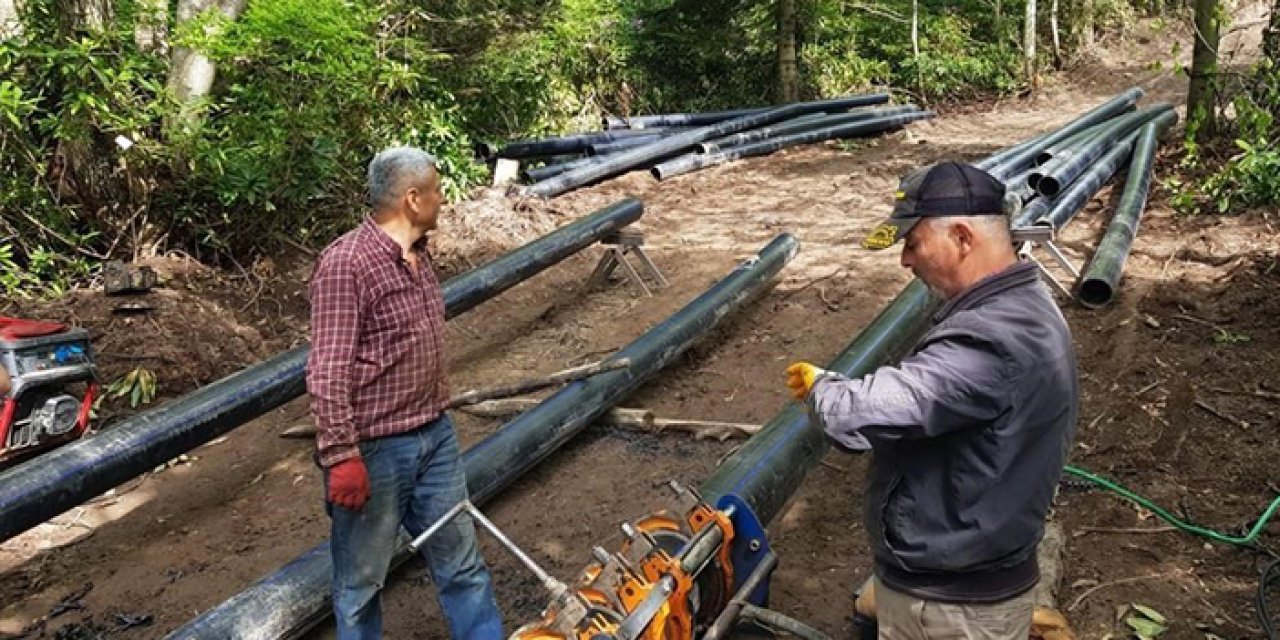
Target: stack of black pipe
[1058,173]
[677,143]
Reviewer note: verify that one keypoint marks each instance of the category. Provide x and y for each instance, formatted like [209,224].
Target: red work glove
[349,484]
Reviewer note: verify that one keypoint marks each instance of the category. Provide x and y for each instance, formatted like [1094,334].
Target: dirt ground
[1180,397]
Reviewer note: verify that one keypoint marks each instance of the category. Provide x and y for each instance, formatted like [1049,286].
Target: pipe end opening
[1095,293]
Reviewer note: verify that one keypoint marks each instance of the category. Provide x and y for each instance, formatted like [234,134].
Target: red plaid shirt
[376,366]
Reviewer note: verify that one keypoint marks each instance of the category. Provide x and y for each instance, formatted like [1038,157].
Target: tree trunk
[151,31]
[1029,43]
[788,74]
[915,29]
[190,72]
[81,16]
[1086,24]
[10,24]
[1053,30]
[1201,94]
[1271,35]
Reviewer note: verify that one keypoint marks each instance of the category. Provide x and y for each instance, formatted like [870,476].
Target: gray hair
[389,169]
[993,225]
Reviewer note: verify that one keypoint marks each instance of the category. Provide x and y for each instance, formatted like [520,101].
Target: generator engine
[54,382]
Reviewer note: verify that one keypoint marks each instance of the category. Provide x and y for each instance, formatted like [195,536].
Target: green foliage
[1223,336]
[953,64]
[139,385]
[68,93]
[308,92]
[1242,169]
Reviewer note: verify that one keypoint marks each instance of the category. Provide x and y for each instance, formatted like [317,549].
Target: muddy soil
[1180,397]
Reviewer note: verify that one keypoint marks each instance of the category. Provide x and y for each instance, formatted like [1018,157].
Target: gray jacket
[969,434]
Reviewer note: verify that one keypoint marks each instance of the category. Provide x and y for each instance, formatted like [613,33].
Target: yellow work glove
[800,379]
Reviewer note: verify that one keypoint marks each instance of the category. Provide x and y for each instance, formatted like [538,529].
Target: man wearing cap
[969,431]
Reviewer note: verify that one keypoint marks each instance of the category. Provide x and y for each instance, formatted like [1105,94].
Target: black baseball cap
[943,189]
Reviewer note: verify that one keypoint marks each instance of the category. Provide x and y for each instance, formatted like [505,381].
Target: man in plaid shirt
[378,392]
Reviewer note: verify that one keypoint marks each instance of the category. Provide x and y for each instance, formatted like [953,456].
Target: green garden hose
[1269,575]
[1247,539]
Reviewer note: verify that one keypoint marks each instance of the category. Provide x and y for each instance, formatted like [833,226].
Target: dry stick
[307,429]
[639,419]
[1113,583]
[1258,393]
[1236,422]
[813,282]
[1087,530]
[534,384]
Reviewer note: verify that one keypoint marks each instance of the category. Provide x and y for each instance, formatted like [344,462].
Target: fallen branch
[1087,530]
[1233,420]
[638,419]
[1257,393]
[475,396]
[534,384]
[1120,581]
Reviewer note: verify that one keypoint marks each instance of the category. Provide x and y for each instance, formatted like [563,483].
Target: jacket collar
[1020,273]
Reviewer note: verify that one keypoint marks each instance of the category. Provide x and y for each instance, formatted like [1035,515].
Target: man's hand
[349,484]
[5,383]
[800,379]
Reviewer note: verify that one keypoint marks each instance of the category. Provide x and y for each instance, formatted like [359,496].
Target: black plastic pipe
[296,597]
[615,123]
[1011,163]
[1069,203]
[1018,184]
[695,161]
[768,469]
[796,125]
[573,143]
[1098,284]
[41,488]
[546,171]
[643,156]
[1050,178]
[1046,155]
[616,146]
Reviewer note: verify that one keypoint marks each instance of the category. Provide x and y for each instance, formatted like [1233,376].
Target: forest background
[228,128]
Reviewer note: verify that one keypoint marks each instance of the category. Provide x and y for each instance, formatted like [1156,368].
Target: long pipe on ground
[1077,139]
[535,174]
[1069,203]
[572,143]
[41,488]
[1098,284]
[289,602]
[695,161]
[1011,163]
[1050,178]
[1075,145]
[618,146]
[797,125]
[615,123]
[642,156]
[768,469]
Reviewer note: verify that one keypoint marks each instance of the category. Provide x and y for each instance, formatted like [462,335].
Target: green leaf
[1146,629]
[1150,613]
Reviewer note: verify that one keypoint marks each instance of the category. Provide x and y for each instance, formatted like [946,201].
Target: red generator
[54,382]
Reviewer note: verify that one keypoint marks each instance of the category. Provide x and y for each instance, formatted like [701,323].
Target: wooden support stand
[617,246]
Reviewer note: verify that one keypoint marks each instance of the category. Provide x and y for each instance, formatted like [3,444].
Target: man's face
[424,201]
[933,252]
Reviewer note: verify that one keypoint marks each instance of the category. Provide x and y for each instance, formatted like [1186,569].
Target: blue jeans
[414,479]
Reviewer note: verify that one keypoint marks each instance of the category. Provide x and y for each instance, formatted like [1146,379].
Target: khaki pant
[902,617]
